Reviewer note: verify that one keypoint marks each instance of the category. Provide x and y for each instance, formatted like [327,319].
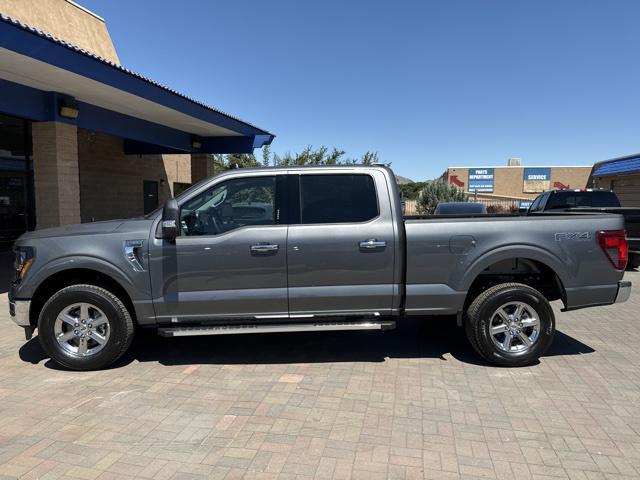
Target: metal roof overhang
[617,166]
[37,70]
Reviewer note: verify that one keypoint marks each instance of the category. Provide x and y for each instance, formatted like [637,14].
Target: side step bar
[274,328]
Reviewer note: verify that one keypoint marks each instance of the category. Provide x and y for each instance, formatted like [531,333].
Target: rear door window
[341,198]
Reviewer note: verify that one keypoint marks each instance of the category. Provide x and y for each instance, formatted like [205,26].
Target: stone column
[55,172]
[201,166]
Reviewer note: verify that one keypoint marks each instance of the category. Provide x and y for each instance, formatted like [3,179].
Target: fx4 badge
[577,236]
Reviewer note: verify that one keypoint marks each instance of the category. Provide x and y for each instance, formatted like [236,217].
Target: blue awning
[37,70]
[618,166]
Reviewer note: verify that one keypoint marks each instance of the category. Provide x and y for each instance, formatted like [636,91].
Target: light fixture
[196,142]
[68,107]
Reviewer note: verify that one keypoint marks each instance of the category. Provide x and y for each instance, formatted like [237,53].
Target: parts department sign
[536,180]
[481,180]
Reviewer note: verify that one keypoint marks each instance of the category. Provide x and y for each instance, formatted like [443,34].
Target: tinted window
[337,198]
[460,208]
[535,204]
[228,205]
[568,199]
[539,203]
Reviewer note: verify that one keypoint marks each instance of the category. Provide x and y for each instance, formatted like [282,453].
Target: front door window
[236,203]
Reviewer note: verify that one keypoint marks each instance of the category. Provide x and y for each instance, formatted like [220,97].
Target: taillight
[614,245]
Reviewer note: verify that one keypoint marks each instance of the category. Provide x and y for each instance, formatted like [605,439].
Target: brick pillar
[201,166]
[55,172]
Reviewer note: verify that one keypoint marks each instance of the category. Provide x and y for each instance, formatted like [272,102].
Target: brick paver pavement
[411,403]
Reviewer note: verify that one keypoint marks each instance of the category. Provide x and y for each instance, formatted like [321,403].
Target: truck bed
[445,255]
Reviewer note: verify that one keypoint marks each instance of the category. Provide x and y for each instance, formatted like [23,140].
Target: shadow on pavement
[563,344]
[417,339]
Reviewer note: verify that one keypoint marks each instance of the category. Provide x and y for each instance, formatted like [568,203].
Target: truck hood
[74,230]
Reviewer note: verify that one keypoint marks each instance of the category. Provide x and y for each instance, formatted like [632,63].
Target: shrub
[436,192]
[496,209]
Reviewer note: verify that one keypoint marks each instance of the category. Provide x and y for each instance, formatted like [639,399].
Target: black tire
[471,336]
[480,315]
[120,325]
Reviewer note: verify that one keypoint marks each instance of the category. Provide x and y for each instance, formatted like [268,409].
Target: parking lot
[415,402]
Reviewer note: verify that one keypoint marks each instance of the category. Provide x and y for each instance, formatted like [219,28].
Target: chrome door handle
[264,248]
[372,243]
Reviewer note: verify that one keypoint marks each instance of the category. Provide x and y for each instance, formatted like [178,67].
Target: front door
[341,254]
[230,258]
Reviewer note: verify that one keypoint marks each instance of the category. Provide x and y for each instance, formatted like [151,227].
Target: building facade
[516,181]
[84,139]
[622,175]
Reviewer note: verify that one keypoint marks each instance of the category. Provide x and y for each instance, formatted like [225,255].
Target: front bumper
[19,312]
[624,291]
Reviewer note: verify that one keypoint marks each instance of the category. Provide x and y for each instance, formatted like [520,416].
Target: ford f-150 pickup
[310,249]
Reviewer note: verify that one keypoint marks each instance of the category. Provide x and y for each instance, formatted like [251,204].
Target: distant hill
[403,180]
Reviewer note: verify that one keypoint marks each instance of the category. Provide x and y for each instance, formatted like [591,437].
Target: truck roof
[307,167]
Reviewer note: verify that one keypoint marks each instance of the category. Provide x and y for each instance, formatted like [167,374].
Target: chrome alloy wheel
[82,329]
[515,327]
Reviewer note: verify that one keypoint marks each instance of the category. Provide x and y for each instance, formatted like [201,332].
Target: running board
[274,328]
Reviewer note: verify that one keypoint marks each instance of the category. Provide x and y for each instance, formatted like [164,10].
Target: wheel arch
[74,276]
[529,265]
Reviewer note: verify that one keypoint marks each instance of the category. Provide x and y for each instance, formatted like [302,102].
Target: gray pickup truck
[310,249]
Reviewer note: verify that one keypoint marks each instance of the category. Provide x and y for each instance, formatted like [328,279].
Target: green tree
[308,156]
[234,160]
[370,158]
[219,163]
[266,156]
[242,160]
[410,191]
[436,192]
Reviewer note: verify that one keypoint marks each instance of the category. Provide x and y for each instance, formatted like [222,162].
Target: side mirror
[170,219]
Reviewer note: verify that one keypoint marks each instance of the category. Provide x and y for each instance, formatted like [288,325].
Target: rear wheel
[85,327]
[510,324]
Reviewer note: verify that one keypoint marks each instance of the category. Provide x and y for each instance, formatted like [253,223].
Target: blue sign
[525,204]
[481,180]
[537,174]
[536,180]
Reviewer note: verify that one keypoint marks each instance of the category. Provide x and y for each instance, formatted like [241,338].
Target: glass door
[13,209]
[16,179]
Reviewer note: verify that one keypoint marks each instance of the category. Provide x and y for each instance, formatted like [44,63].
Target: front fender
[31,283]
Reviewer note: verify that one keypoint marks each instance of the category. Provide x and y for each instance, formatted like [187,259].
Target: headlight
[24,260]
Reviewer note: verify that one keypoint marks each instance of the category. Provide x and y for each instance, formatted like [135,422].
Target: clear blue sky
[426,84]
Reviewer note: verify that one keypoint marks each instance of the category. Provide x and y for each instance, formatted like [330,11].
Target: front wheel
[85,327]
[510,324]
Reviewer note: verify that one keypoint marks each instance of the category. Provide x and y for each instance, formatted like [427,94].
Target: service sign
[536,180]
[481,180]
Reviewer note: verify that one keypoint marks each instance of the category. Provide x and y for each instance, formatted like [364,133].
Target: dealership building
[622,175]
[514,180]
[83,138]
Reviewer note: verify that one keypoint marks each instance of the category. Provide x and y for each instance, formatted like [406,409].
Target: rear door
[340,245]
